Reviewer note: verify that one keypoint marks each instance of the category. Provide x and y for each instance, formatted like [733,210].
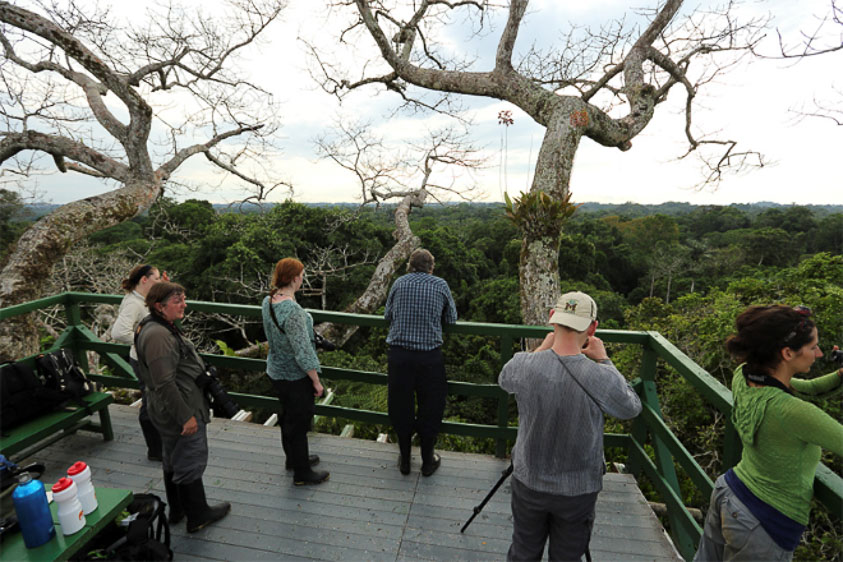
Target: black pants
[416,376]
[150,434]
[295,418]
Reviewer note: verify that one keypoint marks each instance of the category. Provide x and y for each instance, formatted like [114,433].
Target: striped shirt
[417,306]
[559,449]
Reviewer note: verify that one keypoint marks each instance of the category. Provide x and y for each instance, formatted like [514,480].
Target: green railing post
[73,313]
[664,460]
[503,399]
[732,446]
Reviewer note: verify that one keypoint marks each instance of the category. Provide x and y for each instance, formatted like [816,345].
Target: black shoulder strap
[576,381]
[152,318]
[275,318]
[764,380]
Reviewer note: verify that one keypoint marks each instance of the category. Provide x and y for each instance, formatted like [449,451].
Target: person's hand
[318,389]
[594,349]
[190,426]
[164,276]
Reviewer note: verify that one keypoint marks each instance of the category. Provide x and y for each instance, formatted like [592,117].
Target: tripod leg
[504,475]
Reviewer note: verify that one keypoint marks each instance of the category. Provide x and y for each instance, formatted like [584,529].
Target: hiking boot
[313,460]
[311,477]
[429,468]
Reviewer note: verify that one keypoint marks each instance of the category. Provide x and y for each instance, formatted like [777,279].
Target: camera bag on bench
[24,396]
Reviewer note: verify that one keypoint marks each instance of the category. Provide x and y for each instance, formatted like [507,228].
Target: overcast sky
[754,103]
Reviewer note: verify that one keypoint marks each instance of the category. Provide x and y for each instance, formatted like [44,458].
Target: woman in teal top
[760,508]
[293,368]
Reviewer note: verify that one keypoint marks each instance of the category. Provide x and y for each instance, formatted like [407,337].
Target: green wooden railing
[649,429]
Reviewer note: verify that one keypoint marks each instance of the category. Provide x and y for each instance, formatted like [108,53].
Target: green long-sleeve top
[292,353]
[783,437]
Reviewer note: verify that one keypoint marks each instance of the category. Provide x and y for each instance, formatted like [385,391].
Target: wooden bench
[41,432]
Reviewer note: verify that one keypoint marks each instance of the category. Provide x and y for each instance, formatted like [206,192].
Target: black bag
[147,536]
[60,371]
[24,396]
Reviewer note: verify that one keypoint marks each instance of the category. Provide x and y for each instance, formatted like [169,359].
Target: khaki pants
[733,533]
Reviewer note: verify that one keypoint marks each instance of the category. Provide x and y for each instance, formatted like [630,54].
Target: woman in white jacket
[132,310]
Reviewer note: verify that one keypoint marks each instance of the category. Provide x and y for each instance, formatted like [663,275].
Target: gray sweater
[559,449]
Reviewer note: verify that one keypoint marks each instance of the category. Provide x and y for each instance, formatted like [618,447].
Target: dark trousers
[567,520]
[416,377]
[295,418]
[150,434]
[185,456]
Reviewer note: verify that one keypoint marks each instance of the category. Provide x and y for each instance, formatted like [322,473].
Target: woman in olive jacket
[169,366]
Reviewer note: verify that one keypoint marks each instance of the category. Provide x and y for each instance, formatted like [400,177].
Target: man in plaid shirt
[418,304]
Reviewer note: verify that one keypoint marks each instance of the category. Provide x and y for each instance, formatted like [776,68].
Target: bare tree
[816,42]
[408,176]
[88,96]
[603,85]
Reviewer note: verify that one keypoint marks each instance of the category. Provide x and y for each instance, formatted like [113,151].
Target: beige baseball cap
[575,310]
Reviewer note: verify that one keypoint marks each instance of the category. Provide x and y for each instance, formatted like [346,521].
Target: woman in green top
[293,368]
[759,509]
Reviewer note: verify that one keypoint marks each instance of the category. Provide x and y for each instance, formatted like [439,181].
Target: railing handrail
[649,427]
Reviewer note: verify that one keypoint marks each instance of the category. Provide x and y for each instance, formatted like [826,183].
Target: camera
[323,343]
[837,356]
[223,405]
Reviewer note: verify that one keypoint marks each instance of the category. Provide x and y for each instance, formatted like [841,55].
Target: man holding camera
[563,389]
[419,303]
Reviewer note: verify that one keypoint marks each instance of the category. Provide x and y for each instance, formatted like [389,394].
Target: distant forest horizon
[629,208]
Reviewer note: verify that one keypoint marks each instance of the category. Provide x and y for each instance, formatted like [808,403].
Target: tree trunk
[31,262]
[539,263]
[375,294]
[539,278]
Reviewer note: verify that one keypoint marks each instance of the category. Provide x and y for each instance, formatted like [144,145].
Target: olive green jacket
[169,366]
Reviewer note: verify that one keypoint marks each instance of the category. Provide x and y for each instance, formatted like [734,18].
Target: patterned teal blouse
[292,353]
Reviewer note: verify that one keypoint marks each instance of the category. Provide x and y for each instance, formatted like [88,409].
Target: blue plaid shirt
[417,306]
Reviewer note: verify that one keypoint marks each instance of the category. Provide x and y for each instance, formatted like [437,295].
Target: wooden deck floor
[366,511]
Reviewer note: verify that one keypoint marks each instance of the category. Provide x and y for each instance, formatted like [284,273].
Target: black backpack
[60,371]
[24,396]
[147,536]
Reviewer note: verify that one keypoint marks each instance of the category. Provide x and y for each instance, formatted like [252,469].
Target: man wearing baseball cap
[563,389]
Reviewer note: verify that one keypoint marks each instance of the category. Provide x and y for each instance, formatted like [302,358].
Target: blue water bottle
[34,518]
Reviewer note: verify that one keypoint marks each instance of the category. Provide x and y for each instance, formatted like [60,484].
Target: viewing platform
[366,511]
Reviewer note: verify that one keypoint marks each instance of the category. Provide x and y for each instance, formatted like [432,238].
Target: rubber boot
[199,513]
[173,499]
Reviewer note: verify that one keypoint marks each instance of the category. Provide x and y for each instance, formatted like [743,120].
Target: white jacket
[132,311]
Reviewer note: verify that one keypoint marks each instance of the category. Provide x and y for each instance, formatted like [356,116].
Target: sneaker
[311,477]
[312,459]
[428,469]
[403,465]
